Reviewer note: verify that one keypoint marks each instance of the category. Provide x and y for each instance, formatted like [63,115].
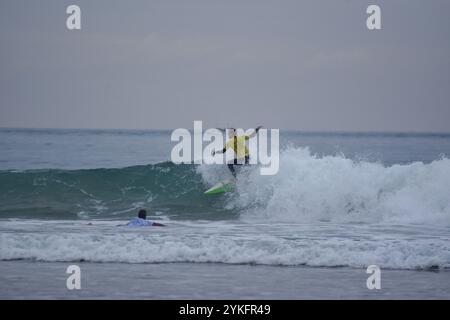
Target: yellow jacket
[237,143]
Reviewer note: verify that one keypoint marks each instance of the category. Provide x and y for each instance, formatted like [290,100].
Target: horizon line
[286,130]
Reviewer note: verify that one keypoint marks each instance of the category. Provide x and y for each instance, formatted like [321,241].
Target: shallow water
[45,280]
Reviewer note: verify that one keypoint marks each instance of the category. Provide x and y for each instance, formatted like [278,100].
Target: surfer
[141,221]
[237,143]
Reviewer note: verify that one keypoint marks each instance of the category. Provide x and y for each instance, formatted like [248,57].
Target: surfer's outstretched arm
[254,132]
[156,224]
[219,151]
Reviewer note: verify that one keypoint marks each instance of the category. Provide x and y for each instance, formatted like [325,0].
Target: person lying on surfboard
[141,221]
[237,144]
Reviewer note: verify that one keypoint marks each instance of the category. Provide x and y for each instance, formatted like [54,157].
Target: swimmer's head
[142,214]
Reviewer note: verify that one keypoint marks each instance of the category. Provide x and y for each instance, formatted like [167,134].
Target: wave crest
[335,188]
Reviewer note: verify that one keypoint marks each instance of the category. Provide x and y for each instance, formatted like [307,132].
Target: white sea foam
[283,244]
[335,188]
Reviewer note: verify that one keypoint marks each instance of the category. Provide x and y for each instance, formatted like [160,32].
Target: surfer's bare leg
[232,169]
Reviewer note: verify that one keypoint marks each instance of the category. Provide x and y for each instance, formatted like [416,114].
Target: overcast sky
[304,65]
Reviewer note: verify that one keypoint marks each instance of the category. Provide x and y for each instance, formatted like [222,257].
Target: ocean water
[340,200]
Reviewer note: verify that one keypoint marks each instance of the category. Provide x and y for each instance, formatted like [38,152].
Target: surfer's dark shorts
[239,163]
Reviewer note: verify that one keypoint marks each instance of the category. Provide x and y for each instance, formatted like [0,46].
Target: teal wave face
[163,189]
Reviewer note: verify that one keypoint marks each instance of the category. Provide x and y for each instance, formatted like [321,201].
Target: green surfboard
[222,187]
